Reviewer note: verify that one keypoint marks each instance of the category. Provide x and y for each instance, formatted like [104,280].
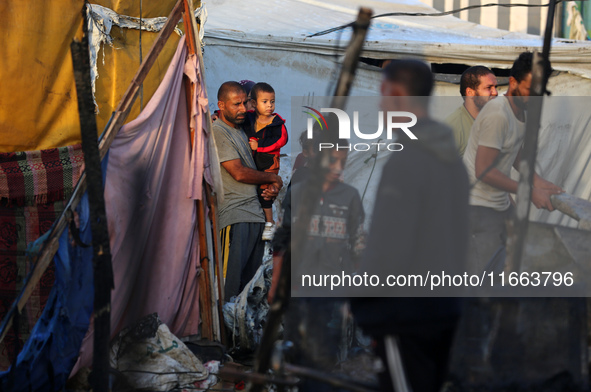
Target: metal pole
[527,165]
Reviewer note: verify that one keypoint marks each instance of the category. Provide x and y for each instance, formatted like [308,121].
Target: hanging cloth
[152,223]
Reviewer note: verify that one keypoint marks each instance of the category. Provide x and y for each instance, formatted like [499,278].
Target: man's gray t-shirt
[241,203]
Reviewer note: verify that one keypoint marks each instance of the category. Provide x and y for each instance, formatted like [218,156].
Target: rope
[142,85]
[455,11]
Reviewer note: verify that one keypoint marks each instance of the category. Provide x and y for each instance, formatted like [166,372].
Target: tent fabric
[39,177]
[48,356]
[204,157]
[117,34]
[117,64]
[149,9]
[38,100]
[288,25]
[198,105]
[100,21]
[152,224]
[34,186]
[274,45]
[18,227]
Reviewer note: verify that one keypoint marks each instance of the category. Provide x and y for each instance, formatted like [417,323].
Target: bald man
[241,216]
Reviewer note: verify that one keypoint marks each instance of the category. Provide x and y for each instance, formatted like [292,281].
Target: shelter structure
[296,46]
[165,160]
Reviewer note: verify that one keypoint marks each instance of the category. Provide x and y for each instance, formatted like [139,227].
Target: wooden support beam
[219,268]
[207,297]
[205,308]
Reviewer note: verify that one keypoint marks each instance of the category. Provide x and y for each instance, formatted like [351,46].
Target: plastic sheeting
[286,26]
[38,101]
[153,359]
[47,358]
[245,315]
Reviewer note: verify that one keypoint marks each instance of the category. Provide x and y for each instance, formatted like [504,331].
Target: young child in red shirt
[267,134]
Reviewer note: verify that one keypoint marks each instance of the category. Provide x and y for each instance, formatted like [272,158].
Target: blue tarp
[49,355]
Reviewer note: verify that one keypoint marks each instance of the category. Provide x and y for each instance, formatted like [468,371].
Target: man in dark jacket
[420,220]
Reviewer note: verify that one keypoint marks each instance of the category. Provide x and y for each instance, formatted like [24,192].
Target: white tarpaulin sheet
[287,25]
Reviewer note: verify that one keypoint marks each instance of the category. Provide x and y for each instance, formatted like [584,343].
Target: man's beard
[236,120]
[480,101]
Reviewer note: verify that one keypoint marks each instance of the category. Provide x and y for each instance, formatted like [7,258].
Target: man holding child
[241,216]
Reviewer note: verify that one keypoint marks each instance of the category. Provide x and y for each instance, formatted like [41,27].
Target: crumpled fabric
[204,150]
[51,351]
[152,224]
[245,315]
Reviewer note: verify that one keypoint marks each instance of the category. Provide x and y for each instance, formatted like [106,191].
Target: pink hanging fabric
[204,160]
[198,103]
[152,222]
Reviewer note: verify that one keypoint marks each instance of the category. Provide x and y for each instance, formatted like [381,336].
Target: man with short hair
[478,85]
[493,148]
[420,220]
[241,216]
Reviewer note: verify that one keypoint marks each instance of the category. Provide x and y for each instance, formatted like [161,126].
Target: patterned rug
[34,189]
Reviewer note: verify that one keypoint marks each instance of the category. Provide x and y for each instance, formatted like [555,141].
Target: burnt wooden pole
[527,165]
[103,272]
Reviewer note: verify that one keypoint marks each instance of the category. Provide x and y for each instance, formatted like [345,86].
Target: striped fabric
[516,19]
[34,189]
[39,177]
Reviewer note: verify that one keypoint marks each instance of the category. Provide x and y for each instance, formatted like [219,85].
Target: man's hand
[541,192]
[541,198]
[247,175]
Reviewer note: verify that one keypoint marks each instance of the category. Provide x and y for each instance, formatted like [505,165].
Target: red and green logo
[317,116]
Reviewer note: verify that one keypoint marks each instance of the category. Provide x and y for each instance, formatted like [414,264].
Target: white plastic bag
[152,358]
